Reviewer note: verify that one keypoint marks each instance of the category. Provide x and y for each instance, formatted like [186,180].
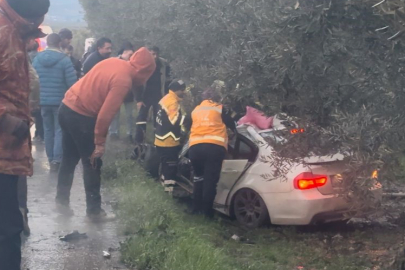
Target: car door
[231,171]
[233,167]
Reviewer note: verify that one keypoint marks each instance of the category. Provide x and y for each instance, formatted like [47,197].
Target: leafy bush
[79,38]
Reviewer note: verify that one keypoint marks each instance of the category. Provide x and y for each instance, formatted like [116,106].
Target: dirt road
[43,250]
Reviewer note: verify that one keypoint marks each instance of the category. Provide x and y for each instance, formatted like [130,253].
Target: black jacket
[153,92]
[166,130]
[78,66]
[91,61]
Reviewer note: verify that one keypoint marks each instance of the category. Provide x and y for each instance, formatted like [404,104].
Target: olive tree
[337,66]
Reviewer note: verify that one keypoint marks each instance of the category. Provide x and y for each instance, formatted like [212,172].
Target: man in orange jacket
[19,21]
[86,113]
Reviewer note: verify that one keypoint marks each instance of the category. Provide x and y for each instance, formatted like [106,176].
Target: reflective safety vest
[169,120]
[208,126]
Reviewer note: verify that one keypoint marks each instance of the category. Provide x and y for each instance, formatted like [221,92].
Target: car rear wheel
[250,209]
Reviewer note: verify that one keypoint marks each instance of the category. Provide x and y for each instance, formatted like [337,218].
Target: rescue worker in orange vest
[208,147]
[169,120]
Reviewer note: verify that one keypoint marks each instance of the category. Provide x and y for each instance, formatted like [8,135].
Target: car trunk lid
[331,166]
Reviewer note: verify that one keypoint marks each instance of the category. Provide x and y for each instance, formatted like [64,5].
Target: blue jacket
[56,76]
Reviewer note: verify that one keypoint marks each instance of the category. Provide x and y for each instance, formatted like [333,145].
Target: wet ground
[43,250]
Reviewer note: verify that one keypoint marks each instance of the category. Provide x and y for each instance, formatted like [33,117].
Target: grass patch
[162,236]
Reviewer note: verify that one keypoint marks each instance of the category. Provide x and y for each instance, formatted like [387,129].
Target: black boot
[208,209]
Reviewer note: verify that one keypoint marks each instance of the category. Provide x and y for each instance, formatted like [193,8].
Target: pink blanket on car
[256,118]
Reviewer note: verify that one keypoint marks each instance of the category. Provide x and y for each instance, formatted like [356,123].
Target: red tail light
[309,180]
[297,130]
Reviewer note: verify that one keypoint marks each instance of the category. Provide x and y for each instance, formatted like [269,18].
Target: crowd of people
[76,104]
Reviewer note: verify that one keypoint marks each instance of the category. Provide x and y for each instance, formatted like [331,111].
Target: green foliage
[337,65]
[79,37]
[162,237]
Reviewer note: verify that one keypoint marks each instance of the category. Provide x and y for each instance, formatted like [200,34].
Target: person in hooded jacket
[56,75]
[85,115]
[19,21]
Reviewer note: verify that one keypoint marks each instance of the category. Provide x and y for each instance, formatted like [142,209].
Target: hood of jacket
[50,57]
[143,64]
[25,28]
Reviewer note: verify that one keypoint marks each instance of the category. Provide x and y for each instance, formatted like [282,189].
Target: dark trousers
[39,124]
[142,119]
[11,224]
[78,143]
[169,157]
[207,161]
[22,192]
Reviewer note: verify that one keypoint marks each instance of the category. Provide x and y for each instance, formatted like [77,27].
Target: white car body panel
[231,171]
[285,204]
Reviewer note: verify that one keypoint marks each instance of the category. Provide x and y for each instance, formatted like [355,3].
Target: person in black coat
[103,51]
[66,35]
[76,63]
[154,90]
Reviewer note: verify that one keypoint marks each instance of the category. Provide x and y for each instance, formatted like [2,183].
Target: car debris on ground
[106,255]
[235,237]
[75,235]
[337,237]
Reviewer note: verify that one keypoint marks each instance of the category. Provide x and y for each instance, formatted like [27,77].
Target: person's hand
[139,105]
[97,154]
[15,126]
[21,131]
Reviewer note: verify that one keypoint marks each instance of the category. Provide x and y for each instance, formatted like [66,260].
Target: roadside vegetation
[335,65]
[162,236]
[79,37]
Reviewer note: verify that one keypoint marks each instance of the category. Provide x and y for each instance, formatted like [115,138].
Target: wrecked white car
[306,194]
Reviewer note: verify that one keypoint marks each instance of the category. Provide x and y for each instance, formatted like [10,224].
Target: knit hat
[177,85]
[30,9]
